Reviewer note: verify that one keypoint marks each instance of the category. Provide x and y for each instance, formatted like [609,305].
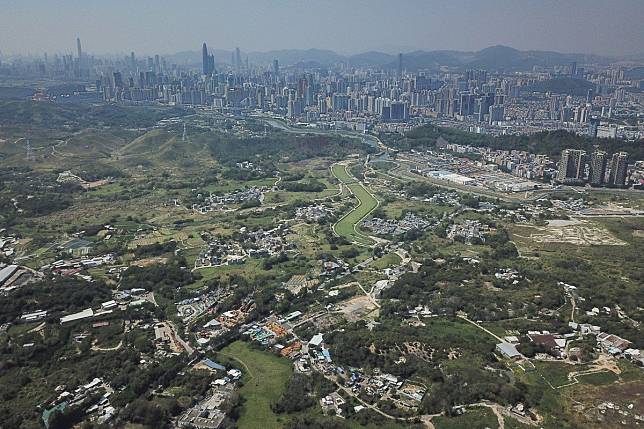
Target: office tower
[238,62]
[400,65]
[598,163]
[118,79]
[204,58]
[211,64]
[573,69]
[571,166]
[207,61]
[466,106]
[276,67]
[157,63]
[78,48]
[132,61]
[398,111]
[618,169]
[497,113]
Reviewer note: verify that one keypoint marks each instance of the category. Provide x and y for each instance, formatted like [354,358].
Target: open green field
[471,419]
[387,261]
[347,225]
[265,378]
[599,378]
[556,373]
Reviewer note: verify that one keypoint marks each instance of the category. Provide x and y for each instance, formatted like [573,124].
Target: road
[175,334]
[369,139]
[481,327]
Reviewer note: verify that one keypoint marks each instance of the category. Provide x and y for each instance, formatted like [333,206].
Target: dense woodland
[549,143]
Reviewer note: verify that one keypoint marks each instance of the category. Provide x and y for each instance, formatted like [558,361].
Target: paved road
[180,340]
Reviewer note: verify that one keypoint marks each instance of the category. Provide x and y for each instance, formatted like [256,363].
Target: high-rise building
[467,104]
[207,61]
[618,169]
[497,113]
[398,111]
[593,123]
[571,166]
[598,163]
[78,48]
[238,61]
[118,79]
[276,67]
[400,65]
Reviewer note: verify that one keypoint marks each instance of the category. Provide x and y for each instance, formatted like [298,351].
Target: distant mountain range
[495,58]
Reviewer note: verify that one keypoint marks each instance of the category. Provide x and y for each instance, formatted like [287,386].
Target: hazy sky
[346,26]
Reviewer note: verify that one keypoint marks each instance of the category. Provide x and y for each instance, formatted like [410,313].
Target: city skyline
[33,27]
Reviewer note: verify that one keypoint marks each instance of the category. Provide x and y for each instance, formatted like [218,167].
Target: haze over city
[349,27]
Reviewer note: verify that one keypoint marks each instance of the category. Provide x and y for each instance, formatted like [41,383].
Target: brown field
[575,231]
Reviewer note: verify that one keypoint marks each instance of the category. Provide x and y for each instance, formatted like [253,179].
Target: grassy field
[387,261]
[556,372]
[346,226]
[511,423]
[265,378]
[472,419]
[599,378]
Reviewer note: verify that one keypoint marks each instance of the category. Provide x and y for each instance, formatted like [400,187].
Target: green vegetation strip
[265,379]
[347,225]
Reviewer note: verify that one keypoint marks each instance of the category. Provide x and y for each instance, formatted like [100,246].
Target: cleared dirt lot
[358,308]
[575,231]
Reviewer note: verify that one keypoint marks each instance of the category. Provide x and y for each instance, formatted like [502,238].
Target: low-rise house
[612,343]
[77,316]
[555,346]
[508,350]
[35,316]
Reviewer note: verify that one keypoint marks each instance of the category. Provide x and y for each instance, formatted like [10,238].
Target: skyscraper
[400,65]
[276,67]
[204,58]
[497,112]
[238,61]
[598,163]
[618,169]
[593,123]
[207,61]
[78,48]
[571,166]
[466,104]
